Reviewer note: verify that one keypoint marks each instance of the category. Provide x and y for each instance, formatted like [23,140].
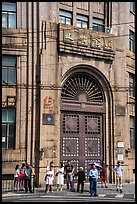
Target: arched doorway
[83,116]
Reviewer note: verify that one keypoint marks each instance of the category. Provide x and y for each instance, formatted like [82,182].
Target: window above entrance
[82,87]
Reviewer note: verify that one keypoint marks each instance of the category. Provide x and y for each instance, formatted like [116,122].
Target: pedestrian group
[67,173]
[23,175]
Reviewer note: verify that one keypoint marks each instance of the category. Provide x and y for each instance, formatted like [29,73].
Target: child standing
[81,179]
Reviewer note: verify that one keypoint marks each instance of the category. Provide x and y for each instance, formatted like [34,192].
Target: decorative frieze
[91,40]
[85,42]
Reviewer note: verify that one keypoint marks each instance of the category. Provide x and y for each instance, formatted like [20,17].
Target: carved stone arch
[85,92]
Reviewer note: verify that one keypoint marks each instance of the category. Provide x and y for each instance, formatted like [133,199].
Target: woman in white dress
[49,179]
[48,169]
[60,177]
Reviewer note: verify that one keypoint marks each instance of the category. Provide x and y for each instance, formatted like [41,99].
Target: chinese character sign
[48,102]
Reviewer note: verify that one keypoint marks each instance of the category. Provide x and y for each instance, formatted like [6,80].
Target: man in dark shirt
[69,171]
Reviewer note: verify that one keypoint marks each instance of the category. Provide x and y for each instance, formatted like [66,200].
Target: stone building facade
[68,76]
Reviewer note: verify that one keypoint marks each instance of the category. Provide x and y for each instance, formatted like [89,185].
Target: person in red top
[103,174]
[21,177]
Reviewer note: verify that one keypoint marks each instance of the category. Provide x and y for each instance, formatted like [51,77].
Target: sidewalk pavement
[128,188]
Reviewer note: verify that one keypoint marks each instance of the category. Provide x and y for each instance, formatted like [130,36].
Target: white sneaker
[57,189]
[61,189]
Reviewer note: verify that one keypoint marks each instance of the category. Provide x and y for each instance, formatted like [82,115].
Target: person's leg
[51,188]
[67,180]
[15,183]
[82,186]
[48,188]
[105,181]
[95,187]
[57,187]
[26,185]
[117,183]
[78,185]
[102,183]
[91,186]
[94,190]
[71,180]
[120,184]
[21,183]
[29,185]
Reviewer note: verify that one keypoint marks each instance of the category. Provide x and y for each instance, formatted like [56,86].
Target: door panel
[81,138]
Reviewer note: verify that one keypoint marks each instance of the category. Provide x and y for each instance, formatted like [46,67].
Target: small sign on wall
[48,119]
[120,157]
[48,102]
[120,144]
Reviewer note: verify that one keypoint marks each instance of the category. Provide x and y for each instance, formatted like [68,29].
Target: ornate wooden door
[82,126]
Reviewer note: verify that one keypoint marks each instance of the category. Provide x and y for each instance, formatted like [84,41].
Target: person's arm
[61,170]
[97,175]
[114,169]
[90,173]
[73,170]
[76,174]
[57,172]
[65,170]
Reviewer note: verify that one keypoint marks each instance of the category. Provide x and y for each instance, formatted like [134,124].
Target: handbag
[45,178]
[57,173]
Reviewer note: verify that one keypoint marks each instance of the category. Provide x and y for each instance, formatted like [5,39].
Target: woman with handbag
[48,169]
[49,179]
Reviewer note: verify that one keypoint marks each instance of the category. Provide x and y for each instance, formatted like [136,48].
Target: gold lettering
[83,39]
[108,44]
[96,42]
[69,37]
